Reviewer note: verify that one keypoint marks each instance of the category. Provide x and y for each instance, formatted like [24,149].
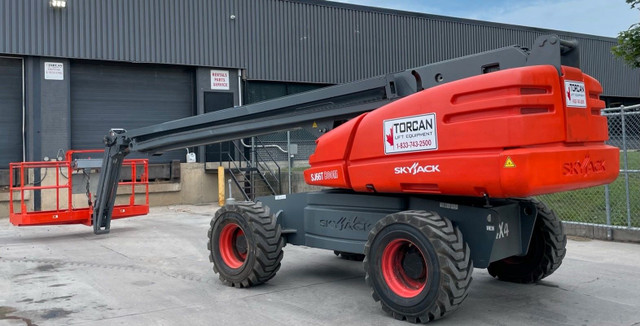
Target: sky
[596,17]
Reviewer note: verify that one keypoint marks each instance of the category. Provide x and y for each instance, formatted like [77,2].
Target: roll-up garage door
[11,111]
[129,96]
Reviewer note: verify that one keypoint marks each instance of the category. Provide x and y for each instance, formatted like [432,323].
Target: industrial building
[71,70]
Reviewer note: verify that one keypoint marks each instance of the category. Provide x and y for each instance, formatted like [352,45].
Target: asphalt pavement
[154,270]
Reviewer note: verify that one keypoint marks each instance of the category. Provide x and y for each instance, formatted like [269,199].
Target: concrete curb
[600,232]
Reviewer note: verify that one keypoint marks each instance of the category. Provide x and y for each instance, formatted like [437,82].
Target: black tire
[245,244]
[545,254]
[417,265]
[349,255]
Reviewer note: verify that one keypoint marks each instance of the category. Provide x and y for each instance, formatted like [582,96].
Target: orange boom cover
[512,133]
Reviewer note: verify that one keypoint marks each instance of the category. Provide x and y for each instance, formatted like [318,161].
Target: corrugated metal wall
[127,96]
[11,112]
[282,40]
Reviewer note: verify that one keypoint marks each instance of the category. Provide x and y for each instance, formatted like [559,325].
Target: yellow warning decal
[509,163]
[315,125]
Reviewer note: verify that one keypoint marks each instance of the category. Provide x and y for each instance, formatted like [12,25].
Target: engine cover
[511,133]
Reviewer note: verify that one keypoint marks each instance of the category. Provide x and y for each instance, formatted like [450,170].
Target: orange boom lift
[429,172]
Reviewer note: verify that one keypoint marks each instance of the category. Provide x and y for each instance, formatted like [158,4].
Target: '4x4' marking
[503,230]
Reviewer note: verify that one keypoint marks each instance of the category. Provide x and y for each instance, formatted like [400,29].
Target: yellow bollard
[221,186]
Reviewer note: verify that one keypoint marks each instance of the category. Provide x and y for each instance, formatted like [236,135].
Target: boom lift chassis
[415,258]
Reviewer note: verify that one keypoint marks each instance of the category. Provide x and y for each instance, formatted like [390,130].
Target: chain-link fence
[616,205]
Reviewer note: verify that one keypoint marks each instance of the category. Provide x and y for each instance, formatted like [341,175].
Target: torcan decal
[410,134]
[575,94]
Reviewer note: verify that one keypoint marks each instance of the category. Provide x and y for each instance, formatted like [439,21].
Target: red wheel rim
[232,255]
[394,270]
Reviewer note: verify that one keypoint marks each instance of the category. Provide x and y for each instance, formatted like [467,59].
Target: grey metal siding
[282,40]
[10,111]
[115,95]
[53,110]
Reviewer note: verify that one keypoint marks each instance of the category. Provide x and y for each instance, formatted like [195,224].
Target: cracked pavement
[154,270]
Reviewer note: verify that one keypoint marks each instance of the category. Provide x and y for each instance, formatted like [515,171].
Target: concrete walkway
[154,270]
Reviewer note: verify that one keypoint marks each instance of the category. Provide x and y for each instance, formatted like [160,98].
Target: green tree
[628,48]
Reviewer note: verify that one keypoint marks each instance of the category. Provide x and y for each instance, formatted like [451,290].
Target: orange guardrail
[65,210]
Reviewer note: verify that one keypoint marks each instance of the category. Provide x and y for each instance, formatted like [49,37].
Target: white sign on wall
[220,79]
[53,71]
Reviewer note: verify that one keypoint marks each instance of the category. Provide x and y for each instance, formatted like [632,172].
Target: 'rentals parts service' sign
[220,79]
[410,134]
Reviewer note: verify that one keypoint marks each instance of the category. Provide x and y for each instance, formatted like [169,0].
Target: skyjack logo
[417,168]
[584,167]
[345,223]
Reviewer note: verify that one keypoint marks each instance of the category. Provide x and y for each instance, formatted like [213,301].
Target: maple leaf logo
[390,137]
[569,94]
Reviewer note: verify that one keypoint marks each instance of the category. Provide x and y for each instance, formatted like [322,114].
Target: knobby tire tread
[554,247]
[454,257]
[269,242]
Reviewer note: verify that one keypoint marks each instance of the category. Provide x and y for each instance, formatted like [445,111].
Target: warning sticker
[410,134]
[509,163]
[574,93]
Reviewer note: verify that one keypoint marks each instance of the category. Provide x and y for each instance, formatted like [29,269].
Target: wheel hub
[241,244]
[404,268]
[412,263]
[233,245]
